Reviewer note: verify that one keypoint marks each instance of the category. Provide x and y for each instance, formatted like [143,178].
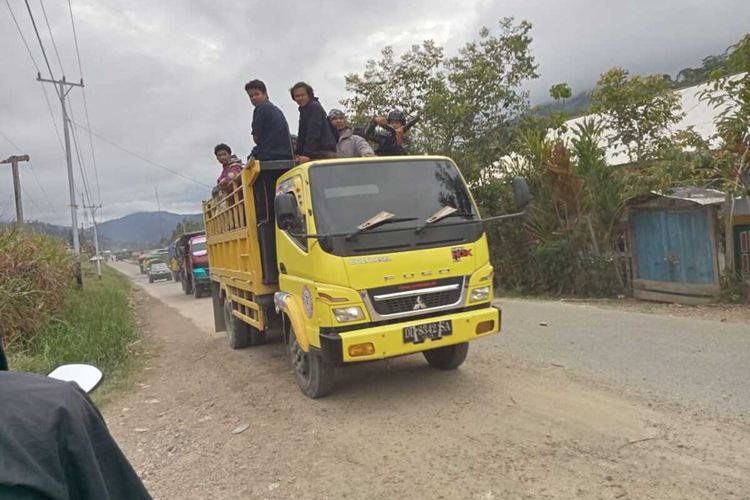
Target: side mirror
[87,377]
[521,193]
[287,213]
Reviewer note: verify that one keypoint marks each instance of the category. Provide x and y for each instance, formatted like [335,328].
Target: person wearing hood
[349,145]
[316,139]
[231,167]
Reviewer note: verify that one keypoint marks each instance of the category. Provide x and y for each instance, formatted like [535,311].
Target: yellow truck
[352,260]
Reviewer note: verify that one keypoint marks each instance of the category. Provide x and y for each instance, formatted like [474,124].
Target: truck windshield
[198,246]
[344,195]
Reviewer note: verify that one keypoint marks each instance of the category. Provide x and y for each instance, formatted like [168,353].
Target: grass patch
[96,325]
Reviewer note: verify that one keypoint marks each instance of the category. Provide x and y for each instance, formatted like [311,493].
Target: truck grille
[416,299]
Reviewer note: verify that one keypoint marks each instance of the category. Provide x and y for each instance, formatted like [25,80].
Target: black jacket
[54,444]
[271,133]
[316,137]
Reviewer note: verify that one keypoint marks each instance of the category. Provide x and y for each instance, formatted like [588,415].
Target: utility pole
[158,213]
[92,209]
[62,92]
[13,160]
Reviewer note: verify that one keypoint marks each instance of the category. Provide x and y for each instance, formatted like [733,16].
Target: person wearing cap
[349,145]
[316,139]
[389,133]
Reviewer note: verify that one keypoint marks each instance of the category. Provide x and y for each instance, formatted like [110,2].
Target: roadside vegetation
[47,320]
[474,110]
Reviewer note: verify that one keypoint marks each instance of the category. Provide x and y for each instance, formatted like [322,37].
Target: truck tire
[186,286]
[237,330]
[196,289]
[448,357]
[257,337]
[314,377]
[150,279]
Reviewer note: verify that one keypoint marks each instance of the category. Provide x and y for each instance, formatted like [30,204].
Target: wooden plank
[672,298]
[680,288]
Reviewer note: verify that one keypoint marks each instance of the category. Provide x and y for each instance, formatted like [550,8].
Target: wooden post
[13,160]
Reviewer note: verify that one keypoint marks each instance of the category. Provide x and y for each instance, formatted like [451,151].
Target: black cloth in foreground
[54,444]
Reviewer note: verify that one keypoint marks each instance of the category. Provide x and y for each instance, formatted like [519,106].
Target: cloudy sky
[165,79]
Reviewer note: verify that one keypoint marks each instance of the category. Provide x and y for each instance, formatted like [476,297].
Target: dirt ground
[496,428]
[736,313]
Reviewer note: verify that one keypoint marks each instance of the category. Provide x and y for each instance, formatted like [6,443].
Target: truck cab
[369,258]
[192,257]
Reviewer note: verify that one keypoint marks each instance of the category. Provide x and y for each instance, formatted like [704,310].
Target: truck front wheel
[237,330]
[314,377]
[447,358]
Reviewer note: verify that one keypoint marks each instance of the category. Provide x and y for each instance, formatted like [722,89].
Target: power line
[51,37]
[81,163]
[85,103]
[141,157]
[39,39]
[33,172]
[36,66]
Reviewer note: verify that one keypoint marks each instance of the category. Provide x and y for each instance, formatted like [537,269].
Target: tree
[560,92]
[467,102]
[729,92]
[184,227]
[638,111]
[404,82]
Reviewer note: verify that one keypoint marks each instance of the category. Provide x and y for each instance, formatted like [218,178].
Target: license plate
[434,331]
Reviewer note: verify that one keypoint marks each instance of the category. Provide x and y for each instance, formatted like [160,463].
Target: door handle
[282,268]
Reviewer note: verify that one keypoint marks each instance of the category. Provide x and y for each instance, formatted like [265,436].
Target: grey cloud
[165,79]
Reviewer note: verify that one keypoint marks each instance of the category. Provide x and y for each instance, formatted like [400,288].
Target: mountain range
[133,231]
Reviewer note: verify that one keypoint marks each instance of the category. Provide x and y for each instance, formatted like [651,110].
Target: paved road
[685,360]
[507,424]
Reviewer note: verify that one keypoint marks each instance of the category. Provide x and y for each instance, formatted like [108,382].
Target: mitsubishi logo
[419,304]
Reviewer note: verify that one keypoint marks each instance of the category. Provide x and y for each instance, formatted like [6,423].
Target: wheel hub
[300,360]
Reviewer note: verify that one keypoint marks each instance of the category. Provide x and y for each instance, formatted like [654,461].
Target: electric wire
[33,61]
[33,172]
[41,45]
[141,157]
[85,103]
[51,37]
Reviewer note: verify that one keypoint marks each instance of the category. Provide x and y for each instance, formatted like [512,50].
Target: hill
[143,229]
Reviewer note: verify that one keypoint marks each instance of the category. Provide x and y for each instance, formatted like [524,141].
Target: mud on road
[496,428]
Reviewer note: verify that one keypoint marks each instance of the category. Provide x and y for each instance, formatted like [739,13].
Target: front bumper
[388,339]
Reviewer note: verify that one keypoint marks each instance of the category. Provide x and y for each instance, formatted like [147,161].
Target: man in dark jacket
[270,129]
[316,138]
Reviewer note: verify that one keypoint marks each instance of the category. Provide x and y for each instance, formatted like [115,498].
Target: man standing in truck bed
[316,139]
[270,129]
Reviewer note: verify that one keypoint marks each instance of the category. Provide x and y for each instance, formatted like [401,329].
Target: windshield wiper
[446,211]
[377,220]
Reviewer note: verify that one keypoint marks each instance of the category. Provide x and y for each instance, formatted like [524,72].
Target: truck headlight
[346,314]
[479,294]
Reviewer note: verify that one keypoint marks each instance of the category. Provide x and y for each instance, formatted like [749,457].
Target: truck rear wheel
[447,358]
[196,289]
[314,377]
[237,330]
